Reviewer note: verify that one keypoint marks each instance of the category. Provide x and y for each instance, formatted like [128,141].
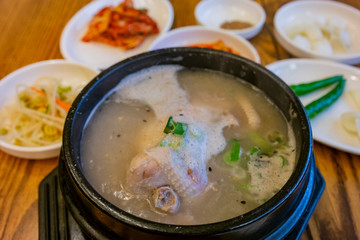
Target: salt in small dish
[214,13]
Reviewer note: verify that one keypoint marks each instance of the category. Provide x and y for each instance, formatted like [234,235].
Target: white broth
[227,151]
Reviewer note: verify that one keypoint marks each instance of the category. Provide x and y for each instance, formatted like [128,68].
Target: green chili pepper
[306,88]
[317,106]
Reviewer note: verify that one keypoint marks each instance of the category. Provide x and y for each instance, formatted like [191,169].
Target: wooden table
[30,32]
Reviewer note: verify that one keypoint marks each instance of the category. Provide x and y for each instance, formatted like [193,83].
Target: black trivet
[56,222]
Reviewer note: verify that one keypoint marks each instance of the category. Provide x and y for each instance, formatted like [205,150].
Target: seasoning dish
[70,74]
[99,55]
[319,29]
[326,126]
[185,36]
[248,17]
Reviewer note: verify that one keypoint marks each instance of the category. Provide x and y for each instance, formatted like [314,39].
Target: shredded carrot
[58,101]
[38,90]
[62,104]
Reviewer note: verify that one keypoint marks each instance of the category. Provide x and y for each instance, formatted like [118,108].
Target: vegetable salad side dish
[37,115]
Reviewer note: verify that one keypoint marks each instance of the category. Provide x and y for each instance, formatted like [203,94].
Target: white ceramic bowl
[297,12]
[70,73]
[213,13]
[184,36]
[100,55]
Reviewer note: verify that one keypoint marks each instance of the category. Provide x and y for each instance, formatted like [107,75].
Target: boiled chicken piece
[178,163]
[145,172]
[166,199]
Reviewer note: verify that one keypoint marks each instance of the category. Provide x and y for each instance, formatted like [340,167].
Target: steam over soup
[187,146]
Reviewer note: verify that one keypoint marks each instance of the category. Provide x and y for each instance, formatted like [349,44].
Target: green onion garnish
[233,154]
[284,161]
[177,128]
[254,150]
[235,151]
[169,126]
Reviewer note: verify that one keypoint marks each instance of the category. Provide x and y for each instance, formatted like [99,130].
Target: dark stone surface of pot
[100,219]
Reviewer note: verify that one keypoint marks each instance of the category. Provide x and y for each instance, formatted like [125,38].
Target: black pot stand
[56,222]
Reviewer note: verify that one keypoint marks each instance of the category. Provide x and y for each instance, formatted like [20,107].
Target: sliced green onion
[169,126]
[254,150]
[235,151]
[234,154]
[265,146]
[276,137]
[177,128]
[227,158]
[284,161]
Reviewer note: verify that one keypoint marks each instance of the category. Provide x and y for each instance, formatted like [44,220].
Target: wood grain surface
[30,32]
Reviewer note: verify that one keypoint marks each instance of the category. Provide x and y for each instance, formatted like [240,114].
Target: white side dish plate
[99,55]
[70,73]
[185,36]
[326,126]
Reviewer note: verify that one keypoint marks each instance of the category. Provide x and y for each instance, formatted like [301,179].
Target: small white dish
[297,13]
[71,74]
[326,126]
[185,36]
[213,13]
[99,55]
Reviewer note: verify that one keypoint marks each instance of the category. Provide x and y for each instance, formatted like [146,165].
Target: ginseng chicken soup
[187,146]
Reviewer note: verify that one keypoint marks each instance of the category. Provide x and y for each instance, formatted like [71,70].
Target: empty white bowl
[69,72]
[185,36]
[213,13]
[296,13]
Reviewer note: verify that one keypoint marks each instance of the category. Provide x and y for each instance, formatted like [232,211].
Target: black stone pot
[287,212]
